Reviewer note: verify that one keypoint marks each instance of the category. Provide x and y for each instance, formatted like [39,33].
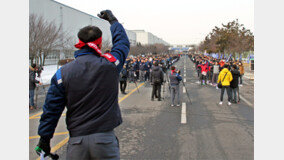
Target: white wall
[73,20]
[141,37]
[148,38]
[131,36]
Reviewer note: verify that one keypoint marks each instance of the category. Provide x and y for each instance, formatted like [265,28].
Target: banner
[228,58]
[248,58]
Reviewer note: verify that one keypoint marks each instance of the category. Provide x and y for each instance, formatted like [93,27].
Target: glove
[108,16]
[44,145]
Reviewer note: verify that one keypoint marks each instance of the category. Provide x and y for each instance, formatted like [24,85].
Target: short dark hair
[226,66]
[173,67]
[89,33]
[33,65]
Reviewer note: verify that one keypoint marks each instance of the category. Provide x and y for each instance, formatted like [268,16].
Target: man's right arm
[120,40]
[120,43]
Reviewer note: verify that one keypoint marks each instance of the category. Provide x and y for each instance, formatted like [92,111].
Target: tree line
[232,38]
[140,49]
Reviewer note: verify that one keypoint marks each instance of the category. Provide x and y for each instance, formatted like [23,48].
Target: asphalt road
[155,130]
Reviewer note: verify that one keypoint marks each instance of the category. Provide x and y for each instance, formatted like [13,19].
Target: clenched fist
[108,16]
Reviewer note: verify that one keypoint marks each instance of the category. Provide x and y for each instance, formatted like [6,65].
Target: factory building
[146,38]
[72,20]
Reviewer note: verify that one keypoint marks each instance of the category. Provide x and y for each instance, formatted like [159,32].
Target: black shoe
[152,99]
[159,100]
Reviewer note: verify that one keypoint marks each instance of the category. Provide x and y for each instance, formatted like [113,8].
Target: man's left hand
[44,145]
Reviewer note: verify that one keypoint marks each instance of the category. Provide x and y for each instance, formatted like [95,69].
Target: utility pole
[61,54]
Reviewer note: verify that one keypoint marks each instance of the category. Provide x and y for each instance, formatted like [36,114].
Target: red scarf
[94,45]
[173,71]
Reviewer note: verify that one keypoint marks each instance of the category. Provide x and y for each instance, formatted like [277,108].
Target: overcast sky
[175,21]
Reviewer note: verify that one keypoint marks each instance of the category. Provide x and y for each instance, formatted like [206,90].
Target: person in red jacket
[204,70]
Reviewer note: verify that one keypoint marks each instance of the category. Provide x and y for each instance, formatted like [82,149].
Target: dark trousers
[209,76]
[228,90]
[203,77]
[156,91]
[235,94]
[132,77]
[198,73]
[241,79]
[137,74]
[31,97]
[147,74]
[123,86]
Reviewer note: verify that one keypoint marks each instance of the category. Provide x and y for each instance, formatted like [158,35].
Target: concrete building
[148,38]
[131,36]
[72,20]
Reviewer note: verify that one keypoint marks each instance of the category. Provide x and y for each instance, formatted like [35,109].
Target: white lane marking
[183,113]
[183,90]
[244,82]
[245,100]
[184,75]
[184,80]
[184,71]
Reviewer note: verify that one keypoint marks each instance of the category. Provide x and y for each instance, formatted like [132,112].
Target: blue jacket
[147,66]
[175,78]
[88,87]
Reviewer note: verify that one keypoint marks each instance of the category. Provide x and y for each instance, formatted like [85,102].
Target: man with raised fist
[88,87]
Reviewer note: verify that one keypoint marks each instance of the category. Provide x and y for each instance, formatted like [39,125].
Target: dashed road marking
[183,113]
[184,80]
[55,134]
[183,89]
[245,100]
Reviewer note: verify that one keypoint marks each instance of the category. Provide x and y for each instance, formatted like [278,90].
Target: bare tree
[45,37]
[232,37]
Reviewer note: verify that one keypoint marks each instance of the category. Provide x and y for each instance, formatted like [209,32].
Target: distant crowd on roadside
[147,68]
[224,74]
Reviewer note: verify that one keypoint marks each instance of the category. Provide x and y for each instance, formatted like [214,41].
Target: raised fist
[108,16]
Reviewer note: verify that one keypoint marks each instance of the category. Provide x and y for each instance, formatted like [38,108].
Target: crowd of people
[88,88]
[224,74]
[149,68]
